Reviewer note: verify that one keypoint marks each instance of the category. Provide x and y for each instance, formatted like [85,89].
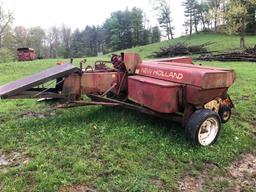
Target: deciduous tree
[53,41]
[66,35]
[6,19]
[164,17]
[36,40]
[215,11]
[236,17]
[21,35]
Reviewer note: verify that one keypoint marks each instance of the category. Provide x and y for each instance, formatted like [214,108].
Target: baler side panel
[198,97]
[159,95]
[99,82]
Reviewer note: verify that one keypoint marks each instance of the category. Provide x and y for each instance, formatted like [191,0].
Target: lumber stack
[237,55]
[181,49]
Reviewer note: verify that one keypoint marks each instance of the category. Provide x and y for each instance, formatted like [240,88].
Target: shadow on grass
[121,117]
[117,127]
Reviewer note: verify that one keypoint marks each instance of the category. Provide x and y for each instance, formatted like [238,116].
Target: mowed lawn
[112,149]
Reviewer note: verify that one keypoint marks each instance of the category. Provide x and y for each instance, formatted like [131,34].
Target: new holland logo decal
[161,73]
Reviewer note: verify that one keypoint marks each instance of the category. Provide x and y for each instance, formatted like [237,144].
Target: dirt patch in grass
[77,188]
[13,159]
[243,172]
[239,176]
[245,97]
[158,183]
[31,114]
[189,183]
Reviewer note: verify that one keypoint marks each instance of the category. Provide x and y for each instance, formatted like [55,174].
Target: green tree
[21,36]
[196,15]
[164,17]
[137,26]
[6,55]
[36,40]
[146,37]
[124,29]
[203,11]
[9,41]
[53,41]
[215,11]
[8,50]
[87,42]
[189,12]
[113,32]
[66,37]
[6,19]
[76,44]
[251,20]
[156,34]
[236,17]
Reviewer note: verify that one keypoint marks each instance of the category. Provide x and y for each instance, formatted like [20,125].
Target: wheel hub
[208,131]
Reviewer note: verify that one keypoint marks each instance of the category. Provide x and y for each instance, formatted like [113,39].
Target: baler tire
[195,124]
[225,113]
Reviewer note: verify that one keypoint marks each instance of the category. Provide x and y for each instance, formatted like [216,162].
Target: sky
[79,13]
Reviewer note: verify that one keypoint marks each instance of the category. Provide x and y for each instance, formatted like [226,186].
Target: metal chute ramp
[31,86]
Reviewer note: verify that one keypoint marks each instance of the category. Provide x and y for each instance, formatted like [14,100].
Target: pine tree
[156,34]
[190,15]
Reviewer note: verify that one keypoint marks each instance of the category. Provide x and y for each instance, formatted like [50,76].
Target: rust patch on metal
[72,86]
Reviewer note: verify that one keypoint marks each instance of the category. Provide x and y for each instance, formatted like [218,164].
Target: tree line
[122,30]
[128,28]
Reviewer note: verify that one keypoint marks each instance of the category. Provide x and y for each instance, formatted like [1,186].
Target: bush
[6,55]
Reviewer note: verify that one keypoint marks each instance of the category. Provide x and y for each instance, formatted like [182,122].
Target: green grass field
[110,149]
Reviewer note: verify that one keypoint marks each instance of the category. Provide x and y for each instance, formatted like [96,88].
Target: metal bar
[84,103]
[47,89]
[108,90]
[121,83]
[173,116]
[31,95]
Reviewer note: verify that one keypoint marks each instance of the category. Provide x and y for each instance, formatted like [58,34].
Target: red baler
[172,88]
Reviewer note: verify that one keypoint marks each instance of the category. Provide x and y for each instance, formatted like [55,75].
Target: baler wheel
[203,127]
[225,113]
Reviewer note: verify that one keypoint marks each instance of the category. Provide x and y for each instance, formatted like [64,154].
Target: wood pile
[239,55]
[180,49]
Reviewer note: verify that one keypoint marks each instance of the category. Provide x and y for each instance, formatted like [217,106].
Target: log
[248,54]
[180,49]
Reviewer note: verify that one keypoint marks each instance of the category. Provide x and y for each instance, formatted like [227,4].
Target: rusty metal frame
[35,94]
[112,102]
[85,103]
[173,116]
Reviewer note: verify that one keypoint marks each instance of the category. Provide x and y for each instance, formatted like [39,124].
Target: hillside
[221,42]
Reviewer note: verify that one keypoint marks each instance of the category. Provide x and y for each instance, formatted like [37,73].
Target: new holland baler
[172,88]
